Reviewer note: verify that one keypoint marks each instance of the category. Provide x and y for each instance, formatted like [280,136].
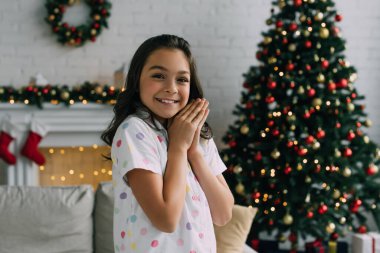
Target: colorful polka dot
[122,247]
[123,195]
[193,251]
[130,233]
[118,143]
[188,226]
[140,136]
[180,242]
[143,231]
[133,218]
[122,234]
[133,245]
[146,161]
[125,125]
[201,235]
[117,248]
[154,243]
[160,138]
[195,213]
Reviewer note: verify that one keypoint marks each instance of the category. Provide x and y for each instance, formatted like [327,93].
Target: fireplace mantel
[76,125]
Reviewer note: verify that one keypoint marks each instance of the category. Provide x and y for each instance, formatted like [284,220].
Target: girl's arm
[218,194]
[162,197]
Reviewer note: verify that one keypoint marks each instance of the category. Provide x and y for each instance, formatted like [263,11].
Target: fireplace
[73,135]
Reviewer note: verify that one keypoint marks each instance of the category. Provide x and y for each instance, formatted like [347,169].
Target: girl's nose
[171,87]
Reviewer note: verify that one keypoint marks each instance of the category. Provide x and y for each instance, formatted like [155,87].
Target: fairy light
[71,172]
[11,101]
[81,149]
[262,172]
[84,101]
[110,172]
[285,204]
[96,173]
[62,151]
[51,150]
[52,178]
[273,209]
[304,160]
[63,178]
[94,146]
[281,73]
[42,168]
[81,175]
[103,170]
[71,102]
[26,101]
[257,201]
[316,161]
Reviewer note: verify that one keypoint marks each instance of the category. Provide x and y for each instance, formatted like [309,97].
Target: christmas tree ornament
[347,172]
[347,152]
[292,47]
[368,123]
[321,78]
[322,209]
[275,154]
[362,229]
[237,169]
[372,170]
[316,102]
[316,145]
[336,194]
[30,148]
[325,64]
[297,3]
[8,133]
[267,40]
[330,228]
[240,188]
[337,153]
[244,129]
[338,17]
[287,219]
[318,16]
[350,107]
[324,33]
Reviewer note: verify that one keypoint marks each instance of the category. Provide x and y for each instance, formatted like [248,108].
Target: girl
[168,185]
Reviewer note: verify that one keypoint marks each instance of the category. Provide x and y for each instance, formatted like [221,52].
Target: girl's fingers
[203,120]
[188,108]
[194,110]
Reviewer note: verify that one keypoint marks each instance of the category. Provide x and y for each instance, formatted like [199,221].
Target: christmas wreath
[77,35]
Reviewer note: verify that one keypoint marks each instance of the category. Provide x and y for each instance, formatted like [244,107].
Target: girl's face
[165,83]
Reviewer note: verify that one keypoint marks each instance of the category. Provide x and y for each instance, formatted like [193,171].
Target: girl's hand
[182,127]
[195,149]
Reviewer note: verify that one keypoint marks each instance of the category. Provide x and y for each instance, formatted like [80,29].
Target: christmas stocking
[30,149]
[7,135]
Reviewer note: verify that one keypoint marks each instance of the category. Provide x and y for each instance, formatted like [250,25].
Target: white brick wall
[223,33]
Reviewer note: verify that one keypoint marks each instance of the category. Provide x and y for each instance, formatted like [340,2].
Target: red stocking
[7,135]
[30,149]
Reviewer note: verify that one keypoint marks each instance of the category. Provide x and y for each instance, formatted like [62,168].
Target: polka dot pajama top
[137,145]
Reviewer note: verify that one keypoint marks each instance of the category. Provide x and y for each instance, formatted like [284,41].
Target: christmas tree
[297,150]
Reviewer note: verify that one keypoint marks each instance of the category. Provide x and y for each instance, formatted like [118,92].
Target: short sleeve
[134,147]
[213,159]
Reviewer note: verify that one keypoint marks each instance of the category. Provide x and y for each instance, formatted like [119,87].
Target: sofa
[75,219]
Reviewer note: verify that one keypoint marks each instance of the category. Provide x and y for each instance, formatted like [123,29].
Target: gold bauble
[311,1]
[65,95]
[293,127]
[269,21]
[282,238]
[99,89]
[332,50]
[275,154]
[342,220]
[267,40]
[51,17]
[93,32]
[316,102]
[225,158]
[330,228]
[350,107]
[53,92]
[301,90]
[368,122]
[321,78]
[68,34]
[318,16]
[292,47]
[307,179]
[97,17]
[316,145]
[272,60]
[347,172]
[377,152]
[237,169]
[353,77]
[366,139]
[336,194]
[302,18]
[299,167]
[306,33]
[244,129]
[281,4]
[1,91]
[324,33]
[337,153]
[239,188]
[258,96]
[287,219]
[316,58]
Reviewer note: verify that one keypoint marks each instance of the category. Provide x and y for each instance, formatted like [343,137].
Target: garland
[77,35]
[54,94]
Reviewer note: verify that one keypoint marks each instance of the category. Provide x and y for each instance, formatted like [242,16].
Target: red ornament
[293,27]
[372,170]
[302,151]
[343,83]
[104,12]
[321,134]
[93,39]
[271,85]
[334,236]
[310,214]
[275,132]
[317,168]
[258,55]
[331,86]
[78,40]
[270,222]
[270,123]
[290,67]
[292,237]
[347,152]
[232,143]
[322,209]
[265,51]
[335,30]
[350,136]
[249,105]
[325,64]
[292,84]
[73,29]
[306,115]
[256,195]
[310,139]
[269,99]
[56,29]
[289,144]
[307,67]
[338,17]
[308,44]
[338,125]
[358,124]
[284,41]
[362,229]
[311,92]
[279,24]
[65,25]
[287,170]
[348,99]
[258,156]
[96,25]
[353,95]
[61,8]
[297,3]
[251,117]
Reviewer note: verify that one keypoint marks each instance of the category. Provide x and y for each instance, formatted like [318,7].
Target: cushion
[103,218]
[46,219]
[231,237]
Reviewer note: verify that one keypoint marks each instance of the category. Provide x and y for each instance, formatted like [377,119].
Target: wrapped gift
[366,243]
[316,247]
[337,247]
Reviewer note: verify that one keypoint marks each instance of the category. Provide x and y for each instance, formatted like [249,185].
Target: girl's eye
[183,80]
[158,76]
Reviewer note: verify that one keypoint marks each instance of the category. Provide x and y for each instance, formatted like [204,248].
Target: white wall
[223,33]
